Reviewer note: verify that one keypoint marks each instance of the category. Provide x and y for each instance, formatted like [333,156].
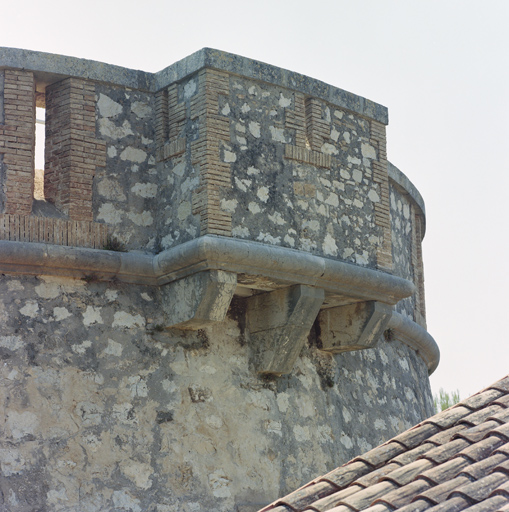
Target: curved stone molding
[416,337]
[283,267]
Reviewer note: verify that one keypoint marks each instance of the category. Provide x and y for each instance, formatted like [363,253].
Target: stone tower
[220,296]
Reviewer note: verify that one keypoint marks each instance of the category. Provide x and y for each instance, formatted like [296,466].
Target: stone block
[353,327]
[279,323]
[198,300]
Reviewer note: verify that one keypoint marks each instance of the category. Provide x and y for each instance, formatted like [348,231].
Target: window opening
[40,136]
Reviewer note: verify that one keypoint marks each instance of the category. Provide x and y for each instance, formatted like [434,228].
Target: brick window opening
[40,136]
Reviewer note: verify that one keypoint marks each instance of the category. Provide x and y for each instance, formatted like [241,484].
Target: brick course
[17,141]
[382,208]
[72,151]
[215,174]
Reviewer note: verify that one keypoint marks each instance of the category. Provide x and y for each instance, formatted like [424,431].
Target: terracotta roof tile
[453,505]
[346,474]
[416,506]
[403,495]
[446,435]
[334,499]
[503,401]
[484,467]
[481,399]
[382,454]
[406,474]
[502,431]
[416,435]
[503,449]
[481,489]
[503,467]
[501,385]
[376,475]
[492,504]
[457,460]
[366,497]
[475,434]
[379,507]
[341,508]
[503,489]
[439,493]
[449,417]
[502,416]
[482,449]
[414,454]
[304,496]
[446,471]
[481,415]
[443,453]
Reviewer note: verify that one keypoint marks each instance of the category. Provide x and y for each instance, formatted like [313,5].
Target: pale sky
[440,66]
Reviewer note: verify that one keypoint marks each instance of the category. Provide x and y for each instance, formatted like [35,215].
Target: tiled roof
[456,460]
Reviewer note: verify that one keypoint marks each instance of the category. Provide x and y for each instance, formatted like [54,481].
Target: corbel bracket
[353,327]
[278,323]
[198,300]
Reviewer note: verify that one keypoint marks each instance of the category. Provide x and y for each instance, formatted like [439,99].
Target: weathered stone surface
[198,300]
[353,327]
[92,390]
[279,323]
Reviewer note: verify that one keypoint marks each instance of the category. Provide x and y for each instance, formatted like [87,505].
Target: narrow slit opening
[40,140]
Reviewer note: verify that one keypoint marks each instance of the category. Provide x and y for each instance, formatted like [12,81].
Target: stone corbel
[353,327]
[198,300]
[278,323]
